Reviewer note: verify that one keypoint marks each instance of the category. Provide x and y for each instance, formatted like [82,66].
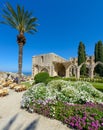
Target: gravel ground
[14,118]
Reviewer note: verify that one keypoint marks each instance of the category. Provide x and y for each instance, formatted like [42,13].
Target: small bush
[52,78]
[41,77]
[77,104]
[27,84]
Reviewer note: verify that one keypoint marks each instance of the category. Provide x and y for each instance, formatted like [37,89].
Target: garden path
[14,118]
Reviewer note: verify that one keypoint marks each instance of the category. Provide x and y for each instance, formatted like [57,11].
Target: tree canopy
[19,19]
[82,57]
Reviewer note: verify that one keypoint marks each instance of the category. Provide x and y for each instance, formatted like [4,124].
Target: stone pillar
[78,73]
[75,72]
[91,75]
[67,73]
[53,71]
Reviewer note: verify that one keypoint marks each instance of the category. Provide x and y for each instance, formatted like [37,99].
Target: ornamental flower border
[79,104]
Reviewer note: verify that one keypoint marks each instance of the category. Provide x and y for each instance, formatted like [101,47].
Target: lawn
[98,86]
[27,84]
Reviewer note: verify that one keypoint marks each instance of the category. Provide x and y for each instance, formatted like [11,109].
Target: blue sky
[63,24]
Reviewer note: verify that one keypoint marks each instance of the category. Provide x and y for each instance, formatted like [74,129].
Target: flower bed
[79,104]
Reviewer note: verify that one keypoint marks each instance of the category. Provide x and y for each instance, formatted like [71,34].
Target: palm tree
[22,21]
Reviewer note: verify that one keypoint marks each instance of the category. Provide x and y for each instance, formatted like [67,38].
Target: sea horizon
[27,73]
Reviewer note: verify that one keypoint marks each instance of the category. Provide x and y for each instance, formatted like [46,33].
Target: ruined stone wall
[58,66]
[45,63]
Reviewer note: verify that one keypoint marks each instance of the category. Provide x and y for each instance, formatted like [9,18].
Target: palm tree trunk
[20,61]
[21,41]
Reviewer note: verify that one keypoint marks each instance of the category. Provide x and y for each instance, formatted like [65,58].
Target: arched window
[44,70]
[61,70]
[42,59]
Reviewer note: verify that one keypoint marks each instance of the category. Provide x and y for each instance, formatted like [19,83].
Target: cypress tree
[99,57]
[82,57]
[96,52]
[96,57]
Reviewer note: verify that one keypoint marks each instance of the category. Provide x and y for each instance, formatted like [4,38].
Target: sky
[62,25]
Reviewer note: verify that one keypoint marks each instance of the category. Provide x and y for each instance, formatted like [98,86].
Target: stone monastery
[58,66]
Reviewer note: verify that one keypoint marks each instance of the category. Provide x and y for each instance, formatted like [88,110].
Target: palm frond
[31,28]
[9,21]
[30,32]
[11,11]
[19,14]
[20,19]
[7,13]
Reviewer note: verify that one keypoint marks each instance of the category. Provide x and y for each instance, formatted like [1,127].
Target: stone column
[54,72]
[75,69]
[32,71]
[51,70]
[78,73]
[91,75]
[67,73]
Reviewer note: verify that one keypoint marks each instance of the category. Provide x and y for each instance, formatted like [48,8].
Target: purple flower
[72,124]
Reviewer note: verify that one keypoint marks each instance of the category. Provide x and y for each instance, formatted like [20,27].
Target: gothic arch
[72,70]
[84,63]
[44,70]
[98,62]
[36,69]
[60,69]
[87,68]
[95,65]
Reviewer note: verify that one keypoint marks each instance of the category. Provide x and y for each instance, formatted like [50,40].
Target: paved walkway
[14,118]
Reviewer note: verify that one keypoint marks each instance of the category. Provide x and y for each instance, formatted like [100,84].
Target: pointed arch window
[42,59]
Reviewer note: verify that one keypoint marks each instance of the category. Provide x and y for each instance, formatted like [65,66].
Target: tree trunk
[21,41]
[20,61]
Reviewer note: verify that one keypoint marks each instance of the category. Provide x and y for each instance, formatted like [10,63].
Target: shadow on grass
[31,126]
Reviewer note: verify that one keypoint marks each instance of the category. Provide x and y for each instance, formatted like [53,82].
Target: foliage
[41,77]
[20,19]
[52,78]
[56,100]
[96,82]
[27,84]
[23,21]
[99,57]
[98,85]
[82,57]
[77,92]
[88,116]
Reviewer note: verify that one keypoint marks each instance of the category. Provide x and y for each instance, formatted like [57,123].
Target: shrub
[70,79]
[88,116]
[27,84]
[66,91]
[56,100]
[41,77]
[53,78]
[36,92]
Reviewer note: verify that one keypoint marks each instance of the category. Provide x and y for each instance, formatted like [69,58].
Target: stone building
[45,62]
[58,66]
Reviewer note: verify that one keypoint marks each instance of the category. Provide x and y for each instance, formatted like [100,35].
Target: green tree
[82,57]
[96,52]
[99,57]
[22,21]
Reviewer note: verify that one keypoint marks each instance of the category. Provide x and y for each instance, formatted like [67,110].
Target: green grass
[27,84]
[98,86]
